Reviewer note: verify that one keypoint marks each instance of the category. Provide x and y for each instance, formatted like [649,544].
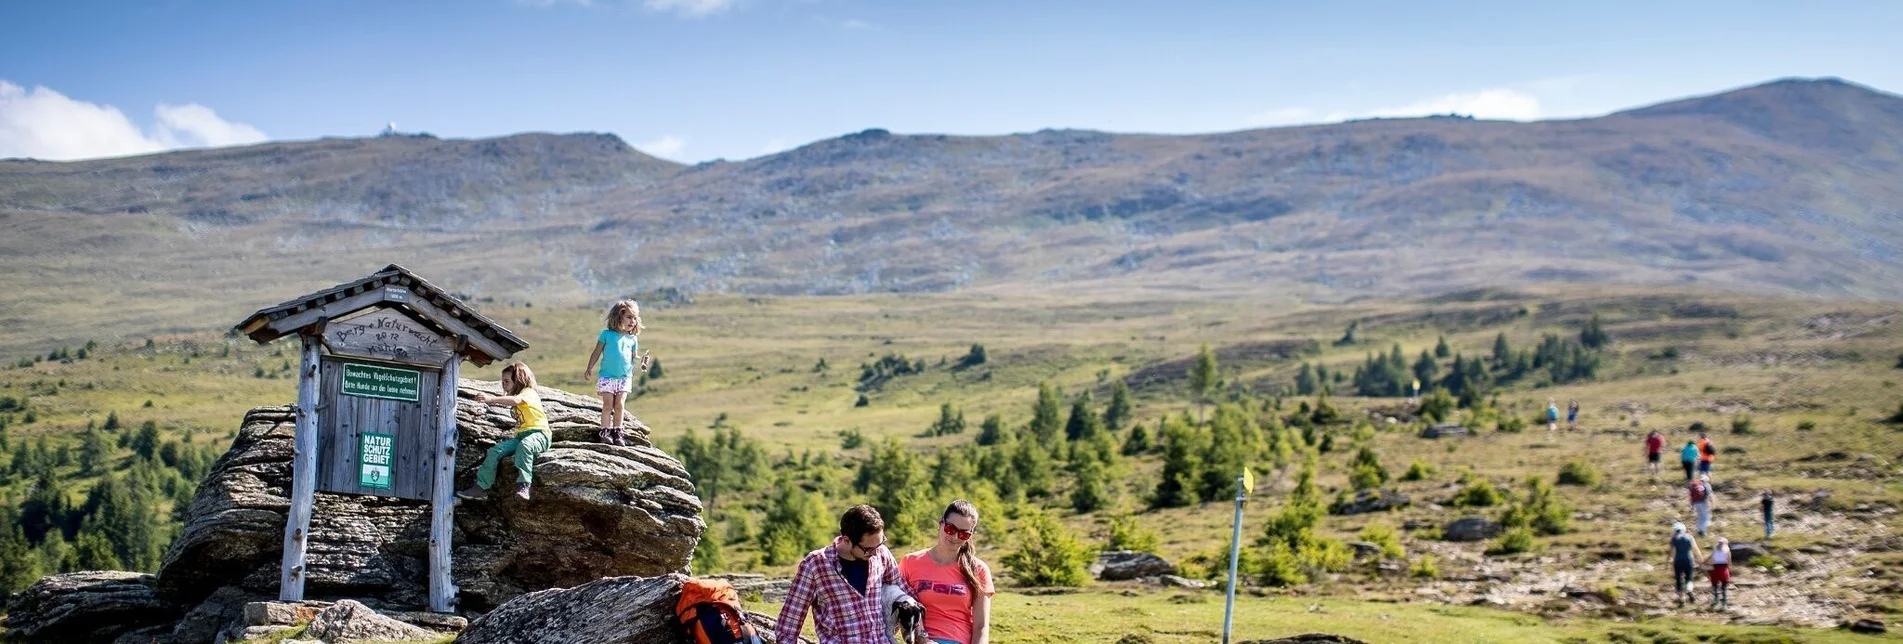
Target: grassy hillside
[1816,380]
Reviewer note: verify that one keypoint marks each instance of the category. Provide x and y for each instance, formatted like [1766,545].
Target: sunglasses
[953,531]
[867,550]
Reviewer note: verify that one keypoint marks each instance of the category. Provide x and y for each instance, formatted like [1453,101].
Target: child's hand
[647,357]
[482,398]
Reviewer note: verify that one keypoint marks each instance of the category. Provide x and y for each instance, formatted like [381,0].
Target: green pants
[526,446]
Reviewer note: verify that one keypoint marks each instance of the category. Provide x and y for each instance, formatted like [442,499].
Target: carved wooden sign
[385,334]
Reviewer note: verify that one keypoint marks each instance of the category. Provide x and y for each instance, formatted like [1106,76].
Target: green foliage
[1084,424]
[1542,509]
[1203,375]
[1510,425]
[1426,368]
[1478,494]
[1137,441]
[93,453]
[896,484]
[1032,470]
[1424,568]
[92,551]
[850,438]
[1093,490]
[1418,471]
[1383,375]
[1348,336]
[950,421]
[1808,425]
[708,556]
[1580,472]
[795,524]
[1742,424]
[976,356]
[1441,350]
[991,431]
[1366,470]
[1384,535]
[112,421]
[1324,413]
[1899,361]
[1437,406]
[1046,553]
[1592,336]
[1044,416]
[1126,534]
[874,375]
[1306,382]
[1279,567]
[1515,541]
[723,462]
[146,443]
[654,370]
[1117,415]
[1182,466]
[862,401]
[1895,419]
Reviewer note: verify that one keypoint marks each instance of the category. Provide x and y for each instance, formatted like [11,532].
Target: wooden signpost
[376,402]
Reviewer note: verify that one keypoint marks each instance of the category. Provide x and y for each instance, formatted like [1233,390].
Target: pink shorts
[611,386]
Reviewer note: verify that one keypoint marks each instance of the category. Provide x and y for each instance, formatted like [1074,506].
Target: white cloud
[1498,103]
[689,8]
[45,124]
[665,147]
[858,25]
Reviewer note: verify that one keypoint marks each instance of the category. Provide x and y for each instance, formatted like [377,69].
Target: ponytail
[967,561]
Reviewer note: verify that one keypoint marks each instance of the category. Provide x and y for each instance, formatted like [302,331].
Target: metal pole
[1235,555]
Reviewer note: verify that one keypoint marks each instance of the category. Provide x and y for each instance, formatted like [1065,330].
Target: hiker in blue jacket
[1688,457]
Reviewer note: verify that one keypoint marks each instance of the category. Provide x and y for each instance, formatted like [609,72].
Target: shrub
[1579,472]
[1047,554]
[1425,568]
[862,401]
[1418,471]
[1511,425]
[1896,418]
[1366,477]
[1766,562]
[1125,534]
[1382,534]
[1542,510]
[851,439]
[1699,426]
[1478,494]
[1807,425]
[1741,424]
[1515,541]
[1279,568]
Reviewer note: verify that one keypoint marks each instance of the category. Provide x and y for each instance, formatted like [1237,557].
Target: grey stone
[598,511]
[349,622]
[1365,550]
[1367,501]
[271,613]
[1444,430]
[617,610]
[1743,553]
[1867,626]
[1472,528]
[1174,581]
[94,606]
[1123,565]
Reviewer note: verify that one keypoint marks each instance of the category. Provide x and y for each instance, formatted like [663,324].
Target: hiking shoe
[473,493]
[522,491]
[620,437]
[606,435]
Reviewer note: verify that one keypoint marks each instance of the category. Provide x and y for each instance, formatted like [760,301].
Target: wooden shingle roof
[392,287]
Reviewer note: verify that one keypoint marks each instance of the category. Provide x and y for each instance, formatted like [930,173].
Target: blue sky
[698,79]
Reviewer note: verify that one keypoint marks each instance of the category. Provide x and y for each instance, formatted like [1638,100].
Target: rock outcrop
[1120,565]
[598,510]
[1473,528]
[350,622]
[86,607]
[618,610]
[1366,501]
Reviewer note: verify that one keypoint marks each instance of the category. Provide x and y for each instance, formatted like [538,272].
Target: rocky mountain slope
[1786,186]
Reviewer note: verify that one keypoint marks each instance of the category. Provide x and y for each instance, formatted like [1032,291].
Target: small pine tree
[862,401]
[1502,352]
[1594,337]
[1047,554]
[1438,406]
[1441,350]
[112,421]
[1117,415]
[1348,337]
[1126,535]
[1045,416]
[1306,381]
[654,370]
[976,356]
[1426,369]
[1137,441]
[1202,377]
[708,558]
[991,431]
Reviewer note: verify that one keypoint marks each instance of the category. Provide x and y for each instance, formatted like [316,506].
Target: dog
[904,616]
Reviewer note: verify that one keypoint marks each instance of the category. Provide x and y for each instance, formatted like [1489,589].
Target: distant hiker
[1654,446]
[1706,453]
[531,433]
[953,583]
[842,584]
[616,347]
[1701,501]
[1769,504]
[1720,573]
[1684,554]
[1688,457]
[1572,413]
[1552,415]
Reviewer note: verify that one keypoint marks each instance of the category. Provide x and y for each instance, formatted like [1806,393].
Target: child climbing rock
[531,434]
[616,347]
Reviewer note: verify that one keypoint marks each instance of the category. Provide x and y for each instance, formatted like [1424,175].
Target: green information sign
[388,383]
[374,455]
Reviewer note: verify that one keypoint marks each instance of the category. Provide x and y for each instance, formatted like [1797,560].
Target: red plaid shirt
[841,614]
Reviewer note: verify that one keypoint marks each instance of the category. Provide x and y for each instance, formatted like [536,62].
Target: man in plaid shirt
[841,583]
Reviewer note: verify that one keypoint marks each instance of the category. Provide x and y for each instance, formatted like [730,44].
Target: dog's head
[905,616]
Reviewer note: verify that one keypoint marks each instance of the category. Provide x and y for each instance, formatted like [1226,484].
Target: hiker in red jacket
[1654,445]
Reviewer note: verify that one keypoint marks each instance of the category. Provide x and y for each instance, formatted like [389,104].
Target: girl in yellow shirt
[531,435]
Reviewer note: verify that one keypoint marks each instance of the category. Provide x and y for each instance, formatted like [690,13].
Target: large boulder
[1120,565]
[1473,528]
[598,511]
[618,610]
[86,607]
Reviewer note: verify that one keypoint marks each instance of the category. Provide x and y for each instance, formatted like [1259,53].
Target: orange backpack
[710,611]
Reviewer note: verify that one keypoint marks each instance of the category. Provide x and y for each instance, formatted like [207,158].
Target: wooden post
[442,587]
[297,525]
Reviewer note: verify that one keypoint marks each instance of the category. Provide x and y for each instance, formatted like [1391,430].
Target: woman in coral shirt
[950,580]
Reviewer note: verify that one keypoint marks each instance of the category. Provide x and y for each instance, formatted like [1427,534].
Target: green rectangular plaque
[375,452]
[388,383]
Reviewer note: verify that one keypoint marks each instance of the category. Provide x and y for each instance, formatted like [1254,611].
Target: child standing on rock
[531,434]
[616,347]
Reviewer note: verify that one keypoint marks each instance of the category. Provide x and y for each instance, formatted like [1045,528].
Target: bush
[1579,472]
[1382,534]
[1125,534]
[1766,562]
[1425,568]
[1515,541]
[1542,510]
[1741,424]
[1438,405]
[1418,471]
[1896,418]
[1511,425]
[1279,568]
[1698,426]
[1478,494]
[1366,477]
[862,401]
[1808,425]
[1047,554]
[851,439]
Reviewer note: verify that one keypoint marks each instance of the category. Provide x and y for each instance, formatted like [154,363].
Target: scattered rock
[1444,430]
[349,622]
[1867,626]
[1365,550]
[1744,552]
[1366,501]
[617,610]
[1120,565]
[86,607]
[1309,638]
[1173,581]
[1469,529]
